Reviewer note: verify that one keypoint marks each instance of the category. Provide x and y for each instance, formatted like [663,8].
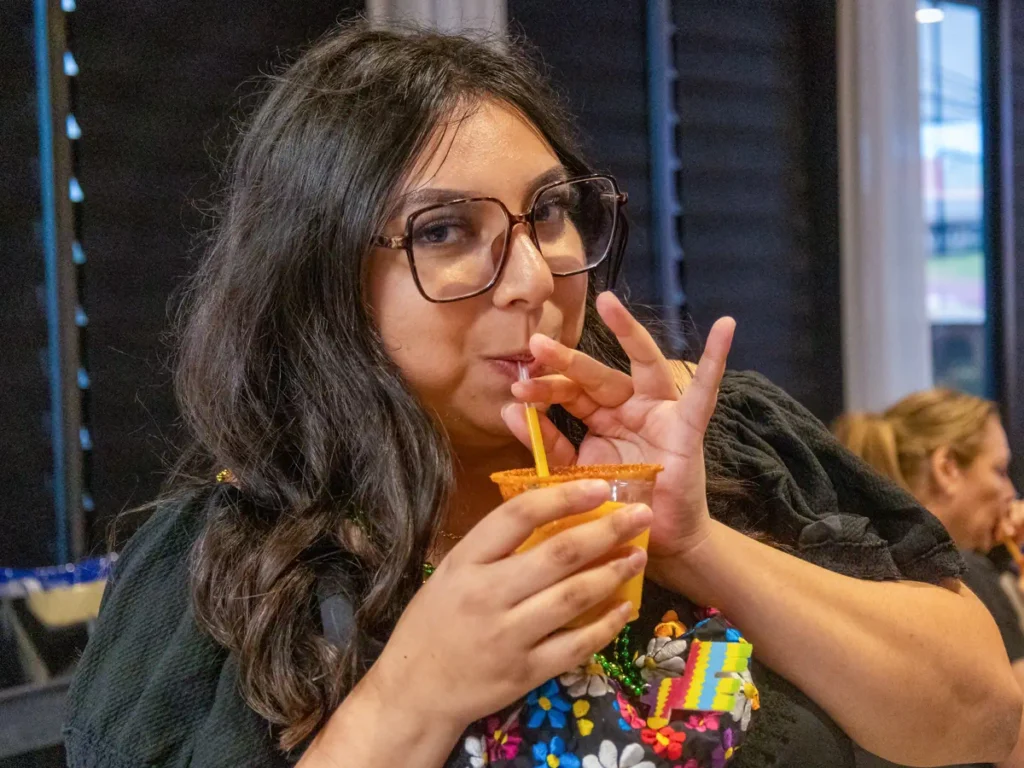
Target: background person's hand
[485,629]
[1012,526]
[633,418]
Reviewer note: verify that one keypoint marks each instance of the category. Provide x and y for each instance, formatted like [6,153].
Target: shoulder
[151,688]
[813,496]
[748,389]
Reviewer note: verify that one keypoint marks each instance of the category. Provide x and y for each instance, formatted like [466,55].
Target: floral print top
[690,706]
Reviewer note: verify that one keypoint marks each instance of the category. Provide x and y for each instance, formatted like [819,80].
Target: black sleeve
[812,496]
[982,579]
[151,689]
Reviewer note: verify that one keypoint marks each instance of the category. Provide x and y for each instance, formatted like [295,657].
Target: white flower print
[477,753]
[608,757]
[664,658]
[747,699]
[586,680]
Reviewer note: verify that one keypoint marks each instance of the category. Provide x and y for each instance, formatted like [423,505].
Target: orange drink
[630,484]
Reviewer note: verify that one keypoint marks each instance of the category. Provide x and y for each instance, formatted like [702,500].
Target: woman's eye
[438,233]
[550,211]
[435,234]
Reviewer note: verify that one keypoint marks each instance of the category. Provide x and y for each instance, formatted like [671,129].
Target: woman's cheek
[572,301]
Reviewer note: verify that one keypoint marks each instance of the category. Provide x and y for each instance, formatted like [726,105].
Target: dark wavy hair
[282,377]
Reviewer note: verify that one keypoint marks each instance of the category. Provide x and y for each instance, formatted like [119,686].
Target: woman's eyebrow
[420,198]
[550,176]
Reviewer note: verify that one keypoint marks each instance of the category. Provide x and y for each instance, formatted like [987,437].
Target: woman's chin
[490,433]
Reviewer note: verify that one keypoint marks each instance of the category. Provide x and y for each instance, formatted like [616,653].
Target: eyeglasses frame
[617,241]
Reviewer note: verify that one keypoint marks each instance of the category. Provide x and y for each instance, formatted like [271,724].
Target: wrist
[397,695]
[383,726]
[696,570]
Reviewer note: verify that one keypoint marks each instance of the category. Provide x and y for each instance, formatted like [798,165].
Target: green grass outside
[959,266]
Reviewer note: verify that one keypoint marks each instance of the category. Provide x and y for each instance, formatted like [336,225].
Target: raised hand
[635,417]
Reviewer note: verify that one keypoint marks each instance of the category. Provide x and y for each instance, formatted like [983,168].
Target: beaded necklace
[619,667]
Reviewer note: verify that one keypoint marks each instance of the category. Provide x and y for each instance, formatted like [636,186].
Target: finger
[1017,512]
[572,550]
[560,452]
[697,404]
[566,650]
[570,598]
[556,389]
[651,373]
[607,386]
[500,533]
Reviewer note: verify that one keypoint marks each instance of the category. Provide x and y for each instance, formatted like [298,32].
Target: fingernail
[505,409]
[637,559]
[625,610]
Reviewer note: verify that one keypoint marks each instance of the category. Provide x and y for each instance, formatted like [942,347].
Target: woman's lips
[509,366]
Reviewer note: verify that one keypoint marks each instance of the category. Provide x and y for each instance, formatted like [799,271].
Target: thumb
[561,452]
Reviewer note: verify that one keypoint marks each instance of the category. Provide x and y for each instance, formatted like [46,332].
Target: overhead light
[930,15]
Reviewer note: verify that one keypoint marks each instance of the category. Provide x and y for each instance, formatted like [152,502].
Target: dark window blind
[597,59]
[159,83]
[758,185]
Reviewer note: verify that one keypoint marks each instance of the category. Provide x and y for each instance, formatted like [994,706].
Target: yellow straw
[540,458]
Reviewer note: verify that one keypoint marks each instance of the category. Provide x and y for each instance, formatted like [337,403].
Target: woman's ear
[945,471]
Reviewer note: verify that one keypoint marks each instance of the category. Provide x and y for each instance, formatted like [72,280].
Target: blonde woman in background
[949,449]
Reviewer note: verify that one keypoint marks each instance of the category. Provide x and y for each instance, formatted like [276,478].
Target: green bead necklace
[619,667]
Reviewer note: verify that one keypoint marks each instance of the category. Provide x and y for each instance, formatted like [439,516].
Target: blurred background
[838,176]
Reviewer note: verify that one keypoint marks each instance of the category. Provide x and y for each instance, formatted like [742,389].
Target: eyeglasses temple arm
[618,250]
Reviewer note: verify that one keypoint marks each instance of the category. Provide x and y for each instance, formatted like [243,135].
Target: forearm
[367,730]
[912,672]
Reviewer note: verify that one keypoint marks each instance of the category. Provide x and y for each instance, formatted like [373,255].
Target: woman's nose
[527,279]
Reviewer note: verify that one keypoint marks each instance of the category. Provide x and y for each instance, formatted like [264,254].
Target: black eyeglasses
[458,249]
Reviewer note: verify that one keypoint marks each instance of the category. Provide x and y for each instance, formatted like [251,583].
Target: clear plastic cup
[630,484]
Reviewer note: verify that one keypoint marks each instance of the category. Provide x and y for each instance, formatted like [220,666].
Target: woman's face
[460,358]
[981,496]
